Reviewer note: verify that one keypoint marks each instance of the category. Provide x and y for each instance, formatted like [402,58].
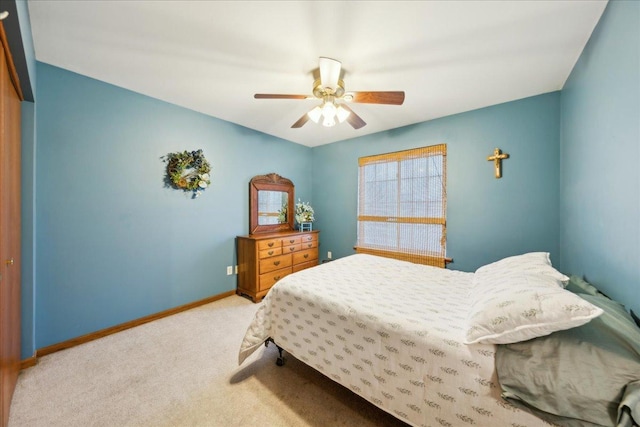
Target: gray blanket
[585,376]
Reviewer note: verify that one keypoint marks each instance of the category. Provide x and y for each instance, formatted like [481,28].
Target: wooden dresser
[263,259]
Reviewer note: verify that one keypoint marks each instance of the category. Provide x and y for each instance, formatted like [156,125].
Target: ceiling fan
[329,88]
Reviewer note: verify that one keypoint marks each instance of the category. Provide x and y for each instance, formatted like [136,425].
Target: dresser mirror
[270,197]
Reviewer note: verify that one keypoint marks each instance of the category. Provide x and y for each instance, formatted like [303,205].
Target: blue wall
[113,244]
[487,218]
[600,151]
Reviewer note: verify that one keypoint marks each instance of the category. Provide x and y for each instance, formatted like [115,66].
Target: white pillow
[519,307]
[531,263]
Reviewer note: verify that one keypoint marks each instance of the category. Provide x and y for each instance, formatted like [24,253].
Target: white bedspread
[392,332]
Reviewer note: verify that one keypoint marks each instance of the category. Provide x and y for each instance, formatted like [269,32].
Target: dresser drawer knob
[276,278]
[270,244]
[270,252]
[276,262]
[292,248]
[310,245]
[291,241]
[306,255]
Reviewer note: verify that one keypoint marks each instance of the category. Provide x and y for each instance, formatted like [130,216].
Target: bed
[398,334]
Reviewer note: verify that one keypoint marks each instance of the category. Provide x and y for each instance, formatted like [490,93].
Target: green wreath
[188,171]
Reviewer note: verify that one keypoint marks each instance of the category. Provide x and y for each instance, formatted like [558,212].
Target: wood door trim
[13,74]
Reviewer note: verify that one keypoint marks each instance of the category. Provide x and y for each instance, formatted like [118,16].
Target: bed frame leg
[280,359]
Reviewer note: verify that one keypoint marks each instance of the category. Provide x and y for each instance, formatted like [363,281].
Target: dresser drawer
[289,241]
[307,238]
[275,263]
[267,280]
[305,265]
[270,252]
[291,248]
[269,244]
[309,244]
[305,255]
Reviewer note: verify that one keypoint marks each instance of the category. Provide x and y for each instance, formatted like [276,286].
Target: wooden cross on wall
[497,161]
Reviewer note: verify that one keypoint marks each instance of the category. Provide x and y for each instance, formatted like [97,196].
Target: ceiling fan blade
[353,119]
[301,121]
[279,96]
[393,98]
[329,72]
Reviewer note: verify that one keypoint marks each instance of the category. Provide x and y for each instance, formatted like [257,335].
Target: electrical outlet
[236,269]
[229,270]
[329,254]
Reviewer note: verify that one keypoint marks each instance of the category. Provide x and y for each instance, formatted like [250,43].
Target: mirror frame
[269,182]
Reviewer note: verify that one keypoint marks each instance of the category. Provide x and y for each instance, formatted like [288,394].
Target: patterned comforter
[392,332]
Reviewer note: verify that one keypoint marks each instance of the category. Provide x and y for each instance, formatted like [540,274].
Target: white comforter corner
[258,332]
[392,332]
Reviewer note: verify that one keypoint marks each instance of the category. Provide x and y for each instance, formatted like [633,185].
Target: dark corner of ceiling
[12,29]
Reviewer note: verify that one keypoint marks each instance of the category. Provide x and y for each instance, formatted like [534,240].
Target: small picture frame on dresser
[306,226]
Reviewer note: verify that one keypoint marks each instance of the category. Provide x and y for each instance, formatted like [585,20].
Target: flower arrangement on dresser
[304,215]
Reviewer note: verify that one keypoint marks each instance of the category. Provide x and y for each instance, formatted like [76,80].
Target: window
[402,202]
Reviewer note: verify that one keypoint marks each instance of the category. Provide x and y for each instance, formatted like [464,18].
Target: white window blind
[402,205]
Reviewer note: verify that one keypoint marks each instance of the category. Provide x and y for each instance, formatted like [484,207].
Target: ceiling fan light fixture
[315,114]
[329,110]
[329,72]
[329,122]
[342,113]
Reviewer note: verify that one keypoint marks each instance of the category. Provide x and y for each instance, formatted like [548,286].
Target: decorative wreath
[188,171]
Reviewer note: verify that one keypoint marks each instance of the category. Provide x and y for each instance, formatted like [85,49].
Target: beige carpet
[182,371]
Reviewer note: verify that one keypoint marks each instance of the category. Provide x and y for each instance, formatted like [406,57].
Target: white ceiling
[212,56]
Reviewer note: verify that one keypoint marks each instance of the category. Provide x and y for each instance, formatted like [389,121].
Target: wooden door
[9,230]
